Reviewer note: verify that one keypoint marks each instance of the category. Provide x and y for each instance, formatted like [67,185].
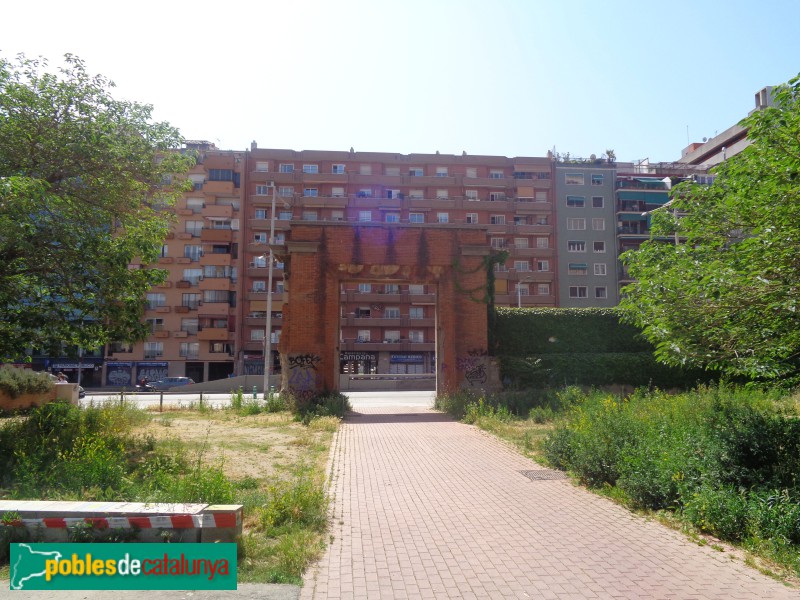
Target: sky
[489,77]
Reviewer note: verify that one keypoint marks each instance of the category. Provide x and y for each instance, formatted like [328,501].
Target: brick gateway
[319,257]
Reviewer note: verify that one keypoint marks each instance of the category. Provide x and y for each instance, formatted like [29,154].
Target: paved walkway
[425,507]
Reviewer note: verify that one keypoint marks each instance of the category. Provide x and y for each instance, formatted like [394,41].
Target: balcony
[220,187]
[161,334]
[220,211]
[216,235]
[213,334]
[511,300]
[215,283]
[216,259]
[352,345]
[214,309]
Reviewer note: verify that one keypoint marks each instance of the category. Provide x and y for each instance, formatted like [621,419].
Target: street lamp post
[268,332]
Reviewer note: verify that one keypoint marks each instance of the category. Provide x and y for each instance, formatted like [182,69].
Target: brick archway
[317,257]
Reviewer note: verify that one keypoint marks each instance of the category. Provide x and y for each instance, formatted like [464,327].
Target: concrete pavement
[425,507]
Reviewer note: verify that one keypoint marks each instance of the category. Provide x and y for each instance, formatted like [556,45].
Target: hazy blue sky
[507,77]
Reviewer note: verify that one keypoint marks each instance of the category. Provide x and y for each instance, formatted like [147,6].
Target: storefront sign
[407,358]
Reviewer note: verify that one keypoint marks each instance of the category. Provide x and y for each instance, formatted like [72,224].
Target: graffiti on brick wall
[303,375]
[474,366]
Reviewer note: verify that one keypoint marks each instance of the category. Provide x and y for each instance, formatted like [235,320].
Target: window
[365,288]
[190,349]
[542,219]
[155,324]
[285,215]
[521,242]
[219,272]
[261,190]
[597,202]
[522,265]
[542,242]
[495,174]
[497,219]
[286,168]
[416,194]
[574,179]
[259,262]
[578,269]
[337,215]
[309,215]
[441,171]
[153,349]
[220,175]
[365,216]
[601,292]
[472,172]
[365,193]
[222,296]
[416,336]
[442,217]
[600,268]
[578,291]
[391,312]
[259,285]
[120,347]
[363,335]
[391,288]
[471,195]
[576,201]
[164,250]
[576,246]
[310,192]
[337,192]
[414,172]
[392,217]
[543,289]
[598,247]
[523,289]
[520,220]
[285,191]
[337,169]
[257,335]
[498,242]
[154,300]
[193,276]
[541,197]
[391,337]
[194,227]
[262,166]
[576,224]
[261,213]
[597,180]
[497,196]
[193,252]
[393,171]
[313,169]
[190,300]
[442,194]
[220,347]
[542,265]
[416,218]
[500,268]
[472,218]
[599,224]
[365,169]
[416,312]
[196,205]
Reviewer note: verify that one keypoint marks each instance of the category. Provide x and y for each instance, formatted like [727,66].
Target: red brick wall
[319,256]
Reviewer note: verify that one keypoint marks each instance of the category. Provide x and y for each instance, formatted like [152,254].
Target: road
[357,399]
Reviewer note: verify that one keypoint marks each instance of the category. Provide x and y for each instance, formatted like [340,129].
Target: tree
[81,196]
[728,296]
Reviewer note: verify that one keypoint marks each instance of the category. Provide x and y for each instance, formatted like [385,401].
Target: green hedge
[528,331]
[15,382]
[586,346]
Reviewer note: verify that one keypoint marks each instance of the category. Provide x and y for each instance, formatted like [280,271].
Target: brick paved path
[425,507]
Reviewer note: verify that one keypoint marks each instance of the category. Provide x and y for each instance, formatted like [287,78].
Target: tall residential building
[586,233]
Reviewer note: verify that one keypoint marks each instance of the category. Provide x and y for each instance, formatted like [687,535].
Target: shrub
[719,511]
[16,382]
[298,501]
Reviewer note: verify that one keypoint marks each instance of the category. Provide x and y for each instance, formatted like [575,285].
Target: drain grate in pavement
[544,474]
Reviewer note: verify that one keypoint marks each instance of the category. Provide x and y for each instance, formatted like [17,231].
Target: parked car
[170,382]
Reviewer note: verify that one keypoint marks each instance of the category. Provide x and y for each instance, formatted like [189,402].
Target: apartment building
[208,319]
[586,233]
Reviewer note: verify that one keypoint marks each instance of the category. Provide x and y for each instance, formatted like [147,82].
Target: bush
[16,382]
